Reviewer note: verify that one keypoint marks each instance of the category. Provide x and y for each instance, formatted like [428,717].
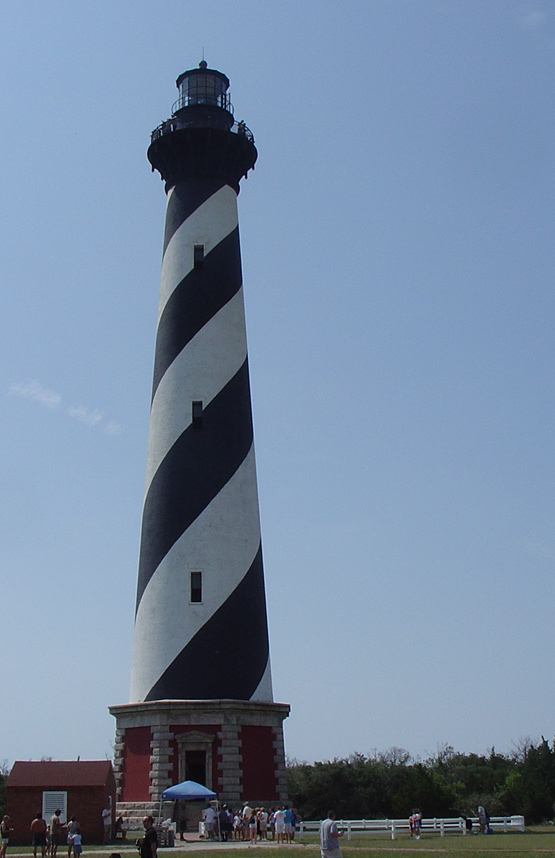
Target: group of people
[250,823]
[330,834]
[120,831]
[49,837]
[46,837]
[415,824]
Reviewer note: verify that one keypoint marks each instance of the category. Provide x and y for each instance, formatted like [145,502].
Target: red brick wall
[22,805]
[259,772]
[136,764]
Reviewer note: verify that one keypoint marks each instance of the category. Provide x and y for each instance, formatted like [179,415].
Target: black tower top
[201,139]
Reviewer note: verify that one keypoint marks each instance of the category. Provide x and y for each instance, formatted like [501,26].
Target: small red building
[81,788]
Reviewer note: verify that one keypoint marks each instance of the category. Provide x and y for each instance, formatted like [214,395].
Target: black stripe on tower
[194,471]
[228,655]
[196,300]
[185,199]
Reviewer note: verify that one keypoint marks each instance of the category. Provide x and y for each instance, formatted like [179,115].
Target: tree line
[392,784]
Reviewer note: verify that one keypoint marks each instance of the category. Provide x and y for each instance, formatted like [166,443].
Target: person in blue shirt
[287,821]
[294,820]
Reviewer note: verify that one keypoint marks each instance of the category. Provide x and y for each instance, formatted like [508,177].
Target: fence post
[462,824]
[504,824]
[301,829]
[442,828]
[393,835]
[348,830]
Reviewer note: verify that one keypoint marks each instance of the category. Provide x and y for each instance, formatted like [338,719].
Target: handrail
[175,123]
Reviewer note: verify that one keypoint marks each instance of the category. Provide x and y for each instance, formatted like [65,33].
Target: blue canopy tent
[189,790]
[186,791]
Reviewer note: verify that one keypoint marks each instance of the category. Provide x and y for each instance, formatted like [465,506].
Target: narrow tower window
[198,257]
[196,586]
[197,413]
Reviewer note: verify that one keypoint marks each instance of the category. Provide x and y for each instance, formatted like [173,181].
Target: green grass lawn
[538,841]
[535,841]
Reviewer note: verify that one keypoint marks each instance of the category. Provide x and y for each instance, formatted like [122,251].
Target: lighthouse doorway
[195,766]
[195,750]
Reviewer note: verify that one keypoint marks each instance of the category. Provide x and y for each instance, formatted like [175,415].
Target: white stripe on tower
[161,607]
[223,338]
[201,506]
[210,224]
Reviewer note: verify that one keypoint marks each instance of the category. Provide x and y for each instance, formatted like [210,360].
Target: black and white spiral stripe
[201,505]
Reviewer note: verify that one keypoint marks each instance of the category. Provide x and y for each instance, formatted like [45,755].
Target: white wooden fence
[442,827]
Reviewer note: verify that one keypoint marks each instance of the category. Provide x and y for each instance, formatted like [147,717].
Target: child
[77,847]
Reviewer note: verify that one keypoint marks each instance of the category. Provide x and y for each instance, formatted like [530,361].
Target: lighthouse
[201,703]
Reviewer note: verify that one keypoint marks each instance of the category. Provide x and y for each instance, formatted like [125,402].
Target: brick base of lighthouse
[234,747]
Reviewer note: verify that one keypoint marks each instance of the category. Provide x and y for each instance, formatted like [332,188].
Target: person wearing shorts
[287,825]
[252,825]
[209,819]
[38,832]
[272,824]
[279,819]
[5,829]
[263,821]
[107,823]
[72,828]
[77,847]
[294,820]
[55,832]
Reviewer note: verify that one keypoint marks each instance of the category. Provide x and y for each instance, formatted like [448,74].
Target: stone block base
[234,747]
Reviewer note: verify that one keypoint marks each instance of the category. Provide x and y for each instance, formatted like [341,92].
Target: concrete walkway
[180,845]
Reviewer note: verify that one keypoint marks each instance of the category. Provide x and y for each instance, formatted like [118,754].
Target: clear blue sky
[398,258]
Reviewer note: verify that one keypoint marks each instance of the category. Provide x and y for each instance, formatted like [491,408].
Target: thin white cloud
[50,399]
[84,415]
[112,428]
[34,390]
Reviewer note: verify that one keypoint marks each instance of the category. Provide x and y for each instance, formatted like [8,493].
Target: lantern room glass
[203,88]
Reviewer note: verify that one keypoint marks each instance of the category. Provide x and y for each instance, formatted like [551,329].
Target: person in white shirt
[246,814]
[329,837]
[263,821]
[209,818]
[279,819]
[107,824]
